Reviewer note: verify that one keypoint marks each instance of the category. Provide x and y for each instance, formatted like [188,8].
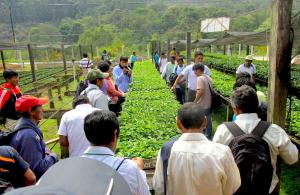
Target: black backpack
[81,87]
[252,156]
[5,136]
[173,77]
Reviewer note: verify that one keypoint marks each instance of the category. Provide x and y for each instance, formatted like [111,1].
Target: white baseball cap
[250,57]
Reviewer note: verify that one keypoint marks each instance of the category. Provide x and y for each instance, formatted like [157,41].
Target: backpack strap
[234,129]
[118,167]
[85,92]
[165,155]
[261,128]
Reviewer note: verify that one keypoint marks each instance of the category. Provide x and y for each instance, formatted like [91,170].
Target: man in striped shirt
[86,64]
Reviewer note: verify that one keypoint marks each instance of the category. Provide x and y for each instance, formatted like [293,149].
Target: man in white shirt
[71,133]
[163,60]
[247,67]
[245,104]
[86,64]
[189,75]
[195,164]
[102,129]
[96,97]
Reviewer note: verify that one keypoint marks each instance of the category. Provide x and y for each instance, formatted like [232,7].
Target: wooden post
[92,53]
[252,49]
[240,48]
[50,96]
[31,58]
[188,46]
[159,47]
[224,49]
[248,50]
[169,49]
[59,92]
[64,58]
[3,61]
[80,51]
[280,57]
[228,48]
[67,85]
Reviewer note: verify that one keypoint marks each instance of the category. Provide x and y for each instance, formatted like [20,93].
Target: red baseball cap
[24,103]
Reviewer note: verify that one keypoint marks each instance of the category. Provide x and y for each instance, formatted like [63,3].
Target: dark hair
[81,99]
[104,51]
[191,115]
[100,126]
[124,59]
[27,114]
[245,99]
[163,53]
[180,59]
[9,73]
[173,57]
[103,66]
[244,81]
[94,82]
[198,53]
[85,55]
[177,53]
[198,67]
[243,75]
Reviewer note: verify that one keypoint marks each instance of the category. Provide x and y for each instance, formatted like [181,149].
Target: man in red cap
[9,93]
[28,140]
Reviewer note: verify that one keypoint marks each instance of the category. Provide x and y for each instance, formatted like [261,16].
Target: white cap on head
[250,57]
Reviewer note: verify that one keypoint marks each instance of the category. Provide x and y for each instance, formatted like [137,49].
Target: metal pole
[12,24]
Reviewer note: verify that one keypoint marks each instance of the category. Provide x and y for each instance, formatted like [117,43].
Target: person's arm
[231,180]
[200,89]
[118,75]
[254,73]
[63,134]
[32,152]
[4,97]
[23,169]
[63,141]
[287,150]
[29,177]
[158,178]
[111,90]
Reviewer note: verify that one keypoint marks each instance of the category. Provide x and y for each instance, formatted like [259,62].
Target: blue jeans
[208,129]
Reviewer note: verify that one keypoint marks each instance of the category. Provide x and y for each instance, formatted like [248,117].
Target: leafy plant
[148,116]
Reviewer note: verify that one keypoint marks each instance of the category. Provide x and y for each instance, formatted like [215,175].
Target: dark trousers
[180,96]
[131,65]
[191,95]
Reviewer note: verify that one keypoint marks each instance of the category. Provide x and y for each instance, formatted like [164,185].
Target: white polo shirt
[279,142]
[191,77]
[243,68]
[71,126]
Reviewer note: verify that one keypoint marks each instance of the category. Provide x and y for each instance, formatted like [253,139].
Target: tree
[44,33]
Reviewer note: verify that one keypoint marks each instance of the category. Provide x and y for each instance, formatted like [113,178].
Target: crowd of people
[240,158]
